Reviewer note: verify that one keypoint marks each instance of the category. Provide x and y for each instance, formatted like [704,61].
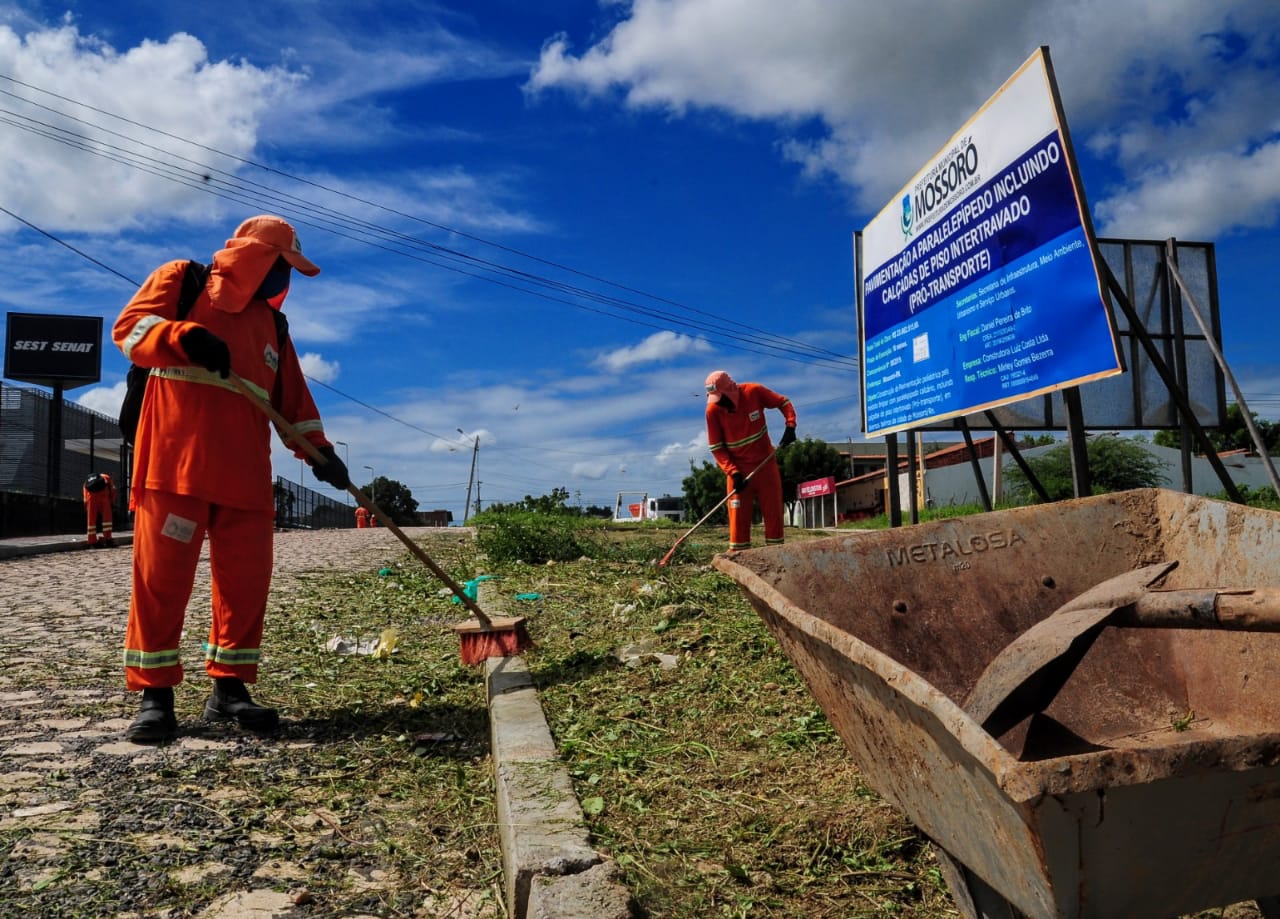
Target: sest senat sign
[59,351]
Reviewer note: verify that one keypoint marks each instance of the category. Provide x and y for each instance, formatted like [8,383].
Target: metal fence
[44,454]
[48,447]
[299,507]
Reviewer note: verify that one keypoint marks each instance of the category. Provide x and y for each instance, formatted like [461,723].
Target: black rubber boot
[155,722]
[230,702]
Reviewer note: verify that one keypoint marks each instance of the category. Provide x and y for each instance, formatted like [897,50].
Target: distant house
[435,518]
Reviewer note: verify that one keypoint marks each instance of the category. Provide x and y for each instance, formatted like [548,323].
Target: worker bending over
[739,441]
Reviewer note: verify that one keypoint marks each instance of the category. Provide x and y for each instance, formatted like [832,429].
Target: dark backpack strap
[282,328]
[194,278]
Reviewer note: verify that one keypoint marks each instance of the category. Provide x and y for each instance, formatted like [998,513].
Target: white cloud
[661,346]
[590,470]
[862,90]
[105,399]
[682,452]
[212,103]
[462,443]
[1199,197]
[316,367]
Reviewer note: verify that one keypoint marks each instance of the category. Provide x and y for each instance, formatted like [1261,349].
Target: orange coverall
[362,518]
[740,442]
[97,505]
[203,464]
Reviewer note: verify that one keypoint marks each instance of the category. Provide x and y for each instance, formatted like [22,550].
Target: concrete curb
[550,869]
[43,545]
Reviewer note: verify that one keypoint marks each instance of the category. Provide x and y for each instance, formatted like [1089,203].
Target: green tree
[806,460]
[704,487]
[394,498]
[557,502]
[1115,464]
[1027,441]
[1233,435]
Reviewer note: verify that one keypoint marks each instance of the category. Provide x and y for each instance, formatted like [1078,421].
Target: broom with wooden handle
[480,639]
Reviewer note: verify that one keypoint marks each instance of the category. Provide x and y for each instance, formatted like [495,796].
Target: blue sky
[545,223]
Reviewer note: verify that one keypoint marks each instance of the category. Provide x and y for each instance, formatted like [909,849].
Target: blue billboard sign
[978,285]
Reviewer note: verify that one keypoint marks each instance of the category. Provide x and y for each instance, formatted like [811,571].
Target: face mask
[275,286]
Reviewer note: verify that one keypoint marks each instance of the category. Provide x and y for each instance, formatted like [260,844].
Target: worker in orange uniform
[203,467]
[99,498]
[739,441]
[362,518]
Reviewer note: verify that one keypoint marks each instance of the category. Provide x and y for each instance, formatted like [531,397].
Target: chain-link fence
[46,454]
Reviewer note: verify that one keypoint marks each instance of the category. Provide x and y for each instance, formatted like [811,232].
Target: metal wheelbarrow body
[1149,784]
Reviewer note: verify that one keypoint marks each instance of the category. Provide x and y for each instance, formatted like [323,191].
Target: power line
[63,242]
[124,277]
[207,179]
[341,224]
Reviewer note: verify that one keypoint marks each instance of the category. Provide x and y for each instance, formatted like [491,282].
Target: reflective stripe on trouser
[169,530]
[766,487]
[98,507]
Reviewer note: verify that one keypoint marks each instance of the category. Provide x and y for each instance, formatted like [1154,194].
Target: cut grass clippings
[705,768]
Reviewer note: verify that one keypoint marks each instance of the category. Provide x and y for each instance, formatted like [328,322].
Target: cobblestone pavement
[62,622]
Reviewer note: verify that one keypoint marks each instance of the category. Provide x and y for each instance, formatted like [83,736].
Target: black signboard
[53,350]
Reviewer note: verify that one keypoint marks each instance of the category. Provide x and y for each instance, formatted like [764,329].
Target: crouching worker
[99,497]
[202,468]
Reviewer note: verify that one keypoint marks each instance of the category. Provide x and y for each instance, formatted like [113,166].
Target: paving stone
[64,620]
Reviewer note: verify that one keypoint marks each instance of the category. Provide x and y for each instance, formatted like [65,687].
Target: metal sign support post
[913,500]
[891,473]
[1179,370]
[1226,371]
[977,465]
[53,474]
[1081,481]
[1171,384]
[1011,445]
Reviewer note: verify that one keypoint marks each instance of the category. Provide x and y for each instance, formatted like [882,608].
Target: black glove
[739,481]
[332,470]
[788,436]
[207,350]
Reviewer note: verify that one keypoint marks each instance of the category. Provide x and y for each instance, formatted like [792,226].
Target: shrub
[528,536]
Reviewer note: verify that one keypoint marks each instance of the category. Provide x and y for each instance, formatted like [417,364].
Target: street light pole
[475,454]
[346,459]
[373,491]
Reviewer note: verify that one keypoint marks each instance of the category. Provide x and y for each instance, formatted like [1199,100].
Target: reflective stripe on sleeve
[139,331]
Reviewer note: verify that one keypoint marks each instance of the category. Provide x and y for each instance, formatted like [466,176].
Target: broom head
[501,638]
